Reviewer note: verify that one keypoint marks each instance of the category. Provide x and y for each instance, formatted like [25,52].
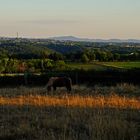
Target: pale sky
[104,19]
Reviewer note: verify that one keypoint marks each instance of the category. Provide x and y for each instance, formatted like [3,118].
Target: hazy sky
[84,18]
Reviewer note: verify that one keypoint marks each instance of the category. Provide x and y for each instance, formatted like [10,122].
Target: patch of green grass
[90,66]
[101,66]
[125,65]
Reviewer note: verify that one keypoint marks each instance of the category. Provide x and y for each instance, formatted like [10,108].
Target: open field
[89,66]
[100,113]
[125,65]
[101,66]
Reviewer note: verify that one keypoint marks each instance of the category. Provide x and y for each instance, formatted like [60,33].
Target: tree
[3,64]
[22,67]
[48,64]
[3,54]
[44,54]
[1,68]
[109,56]
[91,55]
[60,65]
[12,66]
[84,58]
[117,56]
[101,55]
[56,56]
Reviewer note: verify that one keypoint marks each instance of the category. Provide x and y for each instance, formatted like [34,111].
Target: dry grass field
[112,101]
[99,113]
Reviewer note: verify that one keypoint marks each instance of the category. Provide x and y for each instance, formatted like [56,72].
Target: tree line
[57,61]
[100,55]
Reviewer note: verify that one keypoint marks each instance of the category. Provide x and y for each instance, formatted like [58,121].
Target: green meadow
[100,66]
[125,65]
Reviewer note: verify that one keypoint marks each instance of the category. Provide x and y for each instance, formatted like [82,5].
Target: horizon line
[78,37]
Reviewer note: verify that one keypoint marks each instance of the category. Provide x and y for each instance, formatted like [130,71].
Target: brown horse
[59,82]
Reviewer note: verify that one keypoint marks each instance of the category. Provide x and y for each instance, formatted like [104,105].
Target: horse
[59,82]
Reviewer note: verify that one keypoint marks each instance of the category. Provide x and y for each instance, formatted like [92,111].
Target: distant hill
[33,48]
[24,49]
[76,39]
[72,38]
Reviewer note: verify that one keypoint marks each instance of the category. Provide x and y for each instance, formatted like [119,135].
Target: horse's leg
[54,88]
[68,88]
[49,88]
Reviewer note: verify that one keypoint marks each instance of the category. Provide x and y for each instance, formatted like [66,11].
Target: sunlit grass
[120,96]
[112,101]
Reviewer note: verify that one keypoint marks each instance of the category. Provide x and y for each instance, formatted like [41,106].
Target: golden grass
[111,101]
